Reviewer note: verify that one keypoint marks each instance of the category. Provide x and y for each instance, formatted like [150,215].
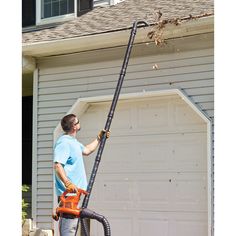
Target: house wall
[61,80]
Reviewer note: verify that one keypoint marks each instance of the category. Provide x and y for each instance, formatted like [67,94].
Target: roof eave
[116,38]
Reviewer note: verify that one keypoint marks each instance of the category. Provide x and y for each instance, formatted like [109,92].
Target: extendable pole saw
[83,212]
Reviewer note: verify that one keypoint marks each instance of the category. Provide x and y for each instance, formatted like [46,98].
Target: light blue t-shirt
[68,151]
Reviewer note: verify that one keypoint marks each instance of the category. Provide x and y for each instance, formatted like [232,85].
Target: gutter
[118,38]
[114,39]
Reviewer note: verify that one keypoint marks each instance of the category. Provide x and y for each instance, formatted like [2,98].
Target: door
[152,179]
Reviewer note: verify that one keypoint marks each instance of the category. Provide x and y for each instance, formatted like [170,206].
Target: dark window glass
[63,7]
[55,8]
[71,6]
[28,12]
[52,8]
[47,10]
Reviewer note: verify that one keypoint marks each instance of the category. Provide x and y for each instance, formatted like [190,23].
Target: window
[52,8]
[51,11]
[28,13]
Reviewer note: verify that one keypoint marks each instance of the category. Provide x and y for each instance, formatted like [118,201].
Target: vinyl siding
[59,86]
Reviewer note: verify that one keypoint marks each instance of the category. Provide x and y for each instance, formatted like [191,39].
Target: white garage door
[152,179]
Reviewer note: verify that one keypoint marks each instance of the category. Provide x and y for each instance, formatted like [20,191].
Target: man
[69,166]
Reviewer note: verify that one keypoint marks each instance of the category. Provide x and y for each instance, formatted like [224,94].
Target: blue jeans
[67,227]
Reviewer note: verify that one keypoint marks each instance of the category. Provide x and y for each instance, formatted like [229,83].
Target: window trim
[54,19]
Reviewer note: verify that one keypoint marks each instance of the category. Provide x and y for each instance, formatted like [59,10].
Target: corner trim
[34,149]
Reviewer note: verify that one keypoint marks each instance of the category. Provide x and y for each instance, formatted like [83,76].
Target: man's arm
[93,145]
[70,187]
[88,149]
[60,172]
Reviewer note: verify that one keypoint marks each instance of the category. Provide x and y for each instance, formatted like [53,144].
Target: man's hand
[102,132]
[89,148]
[70,187]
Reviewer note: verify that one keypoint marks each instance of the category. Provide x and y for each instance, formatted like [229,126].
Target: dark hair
[67,122]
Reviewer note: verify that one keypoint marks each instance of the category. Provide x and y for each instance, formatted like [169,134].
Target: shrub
[25,188]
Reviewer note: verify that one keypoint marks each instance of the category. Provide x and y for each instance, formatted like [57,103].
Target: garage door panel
[153,195]
[176,152]
[157,115]
[132,132]
[189,152]
[191,228]
[96,119]
[144,223]
[186,143]
[135,191]
[115,222]
[117,191]
[179,190]
[127,115]
[122,224]
[113,194]
[184,116]
[153,191]
[152,179]
[137,155]
[151,226]
[169,223]
[145,117]
[159,191]
[185,190]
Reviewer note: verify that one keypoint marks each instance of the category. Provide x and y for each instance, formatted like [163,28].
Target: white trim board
[34,148]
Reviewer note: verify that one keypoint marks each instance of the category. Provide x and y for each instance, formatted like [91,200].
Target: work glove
[70,187]
[100,134]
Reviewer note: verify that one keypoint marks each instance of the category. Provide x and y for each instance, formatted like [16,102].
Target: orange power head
[69,204]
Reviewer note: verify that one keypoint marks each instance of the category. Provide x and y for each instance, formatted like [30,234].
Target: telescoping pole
[136,24]
[112,110]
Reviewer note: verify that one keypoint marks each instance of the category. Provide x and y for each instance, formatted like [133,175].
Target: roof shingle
[118,17]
